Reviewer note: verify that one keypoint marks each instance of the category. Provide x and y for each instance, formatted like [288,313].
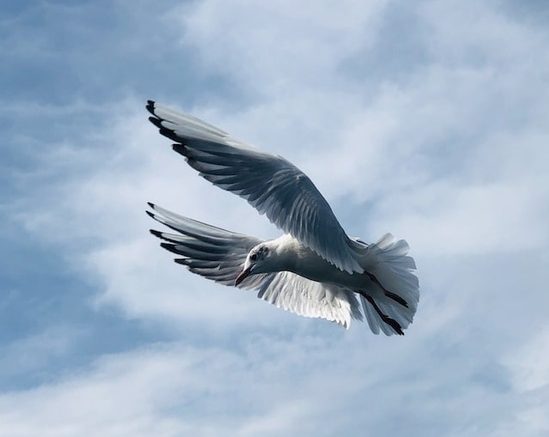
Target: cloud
[272,48]
[530,364]
[160,389]
[272,384]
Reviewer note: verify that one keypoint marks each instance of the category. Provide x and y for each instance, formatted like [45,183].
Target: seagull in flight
[314,269]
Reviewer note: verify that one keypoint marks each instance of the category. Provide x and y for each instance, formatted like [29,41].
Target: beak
[243,275]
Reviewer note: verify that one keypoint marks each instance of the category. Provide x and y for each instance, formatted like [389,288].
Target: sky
[426,119]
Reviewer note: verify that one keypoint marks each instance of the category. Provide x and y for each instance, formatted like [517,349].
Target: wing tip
[170,247]
[180,148]
[150,106]
[156,233]
[157,122]
[150,214]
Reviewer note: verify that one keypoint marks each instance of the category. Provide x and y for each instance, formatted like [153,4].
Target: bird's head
[259,260]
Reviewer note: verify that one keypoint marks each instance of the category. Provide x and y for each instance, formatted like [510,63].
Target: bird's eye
[253,256]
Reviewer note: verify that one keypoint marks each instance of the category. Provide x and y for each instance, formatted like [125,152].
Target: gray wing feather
[209,251]
[271,184]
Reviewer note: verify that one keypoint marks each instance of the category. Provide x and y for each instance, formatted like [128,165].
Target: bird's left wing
[206,250]
[271,184]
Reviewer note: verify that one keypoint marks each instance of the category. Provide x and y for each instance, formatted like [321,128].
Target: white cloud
[274,48]
[305,383]
[529,364]
[117,397]
[31,354]
[159,391]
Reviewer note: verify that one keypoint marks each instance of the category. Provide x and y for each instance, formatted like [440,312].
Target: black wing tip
[179,148]
[150,106]
[156,233]
[168,133]
[150,214]
[156,121]
[170,247]
[182,261]
[151,205]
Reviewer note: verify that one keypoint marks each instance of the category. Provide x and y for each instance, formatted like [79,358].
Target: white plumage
[314,269]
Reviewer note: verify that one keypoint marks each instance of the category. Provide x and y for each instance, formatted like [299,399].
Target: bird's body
[314,269]
[293,256]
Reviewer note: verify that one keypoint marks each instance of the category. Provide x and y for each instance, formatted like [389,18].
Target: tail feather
[394,272]
[389,262]
[373,319]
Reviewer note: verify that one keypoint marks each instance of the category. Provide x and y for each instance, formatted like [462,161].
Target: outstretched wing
[219,255]
[271,184]
[307,298]
[212,252]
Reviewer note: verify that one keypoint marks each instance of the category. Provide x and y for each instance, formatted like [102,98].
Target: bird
[314,269]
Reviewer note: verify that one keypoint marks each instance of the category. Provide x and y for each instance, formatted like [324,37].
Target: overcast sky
[428,119]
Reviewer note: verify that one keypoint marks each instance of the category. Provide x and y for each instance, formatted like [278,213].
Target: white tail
[389,265]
